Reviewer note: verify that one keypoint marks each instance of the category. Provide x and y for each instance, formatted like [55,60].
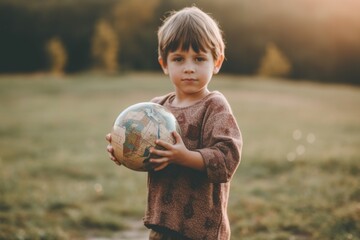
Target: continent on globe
[135,131]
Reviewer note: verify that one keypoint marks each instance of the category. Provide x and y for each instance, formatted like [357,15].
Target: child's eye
[177,59]
[200,59]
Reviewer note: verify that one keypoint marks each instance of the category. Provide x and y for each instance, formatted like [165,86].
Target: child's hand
[173,153]
[110,149]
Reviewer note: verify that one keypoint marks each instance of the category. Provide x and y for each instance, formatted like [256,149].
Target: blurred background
[301,39]
[291,75]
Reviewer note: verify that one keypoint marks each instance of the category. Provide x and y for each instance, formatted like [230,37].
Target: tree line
[301,39]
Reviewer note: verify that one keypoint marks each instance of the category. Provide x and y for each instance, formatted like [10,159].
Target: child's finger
[177,137]
[112,158]
[159,160]
[160,153]
[161,166]
[108,137]
[110,149]
[163,144]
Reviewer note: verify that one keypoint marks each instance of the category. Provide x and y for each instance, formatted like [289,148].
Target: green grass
[298,179]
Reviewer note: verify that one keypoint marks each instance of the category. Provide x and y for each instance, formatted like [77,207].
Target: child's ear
[163,65]
[218,63]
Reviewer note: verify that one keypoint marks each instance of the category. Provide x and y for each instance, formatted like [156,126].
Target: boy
[188,190]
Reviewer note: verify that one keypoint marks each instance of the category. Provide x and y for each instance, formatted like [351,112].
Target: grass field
[298,179]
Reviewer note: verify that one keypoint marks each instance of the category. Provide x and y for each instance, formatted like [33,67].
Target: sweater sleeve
[221,141]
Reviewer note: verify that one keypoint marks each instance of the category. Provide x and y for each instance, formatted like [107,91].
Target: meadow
[298,179]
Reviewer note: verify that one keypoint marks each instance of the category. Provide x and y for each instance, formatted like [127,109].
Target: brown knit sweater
[186,201]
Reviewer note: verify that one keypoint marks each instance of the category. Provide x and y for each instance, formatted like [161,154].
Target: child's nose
[189,68]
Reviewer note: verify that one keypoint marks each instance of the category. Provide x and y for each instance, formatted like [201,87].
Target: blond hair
[190,27]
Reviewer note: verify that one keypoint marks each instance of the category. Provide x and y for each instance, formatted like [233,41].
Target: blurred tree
[274,63]
[57,56]
[134,23]
[320,37]
[105,47]
[130,15]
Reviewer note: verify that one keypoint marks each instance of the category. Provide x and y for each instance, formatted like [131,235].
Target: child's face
[189,71]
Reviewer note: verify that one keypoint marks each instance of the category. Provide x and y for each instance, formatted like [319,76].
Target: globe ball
[135,131]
